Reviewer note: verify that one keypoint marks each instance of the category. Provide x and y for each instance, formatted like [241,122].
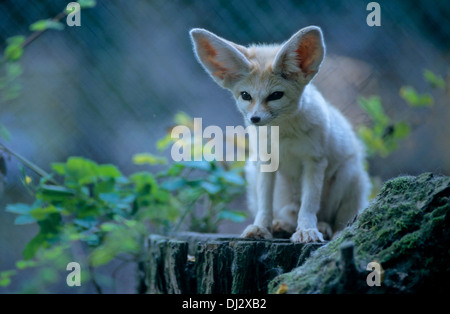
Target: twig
[96,285]
[183,216]
[29,164]
[37,34]
[116,270]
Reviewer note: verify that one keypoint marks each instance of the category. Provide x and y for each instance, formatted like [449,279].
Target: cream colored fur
[321,183]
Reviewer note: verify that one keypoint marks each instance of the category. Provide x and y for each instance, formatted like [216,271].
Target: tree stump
[190,263]
[405,231]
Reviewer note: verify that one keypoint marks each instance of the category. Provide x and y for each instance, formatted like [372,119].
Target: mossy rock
[405,229]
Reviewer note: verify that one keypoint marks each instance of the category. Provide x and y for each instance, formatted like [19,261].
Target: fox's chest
[298,147]
[292,152]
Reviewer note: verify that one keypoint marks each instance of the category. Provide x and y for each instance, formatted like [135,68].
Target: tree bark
[218,264]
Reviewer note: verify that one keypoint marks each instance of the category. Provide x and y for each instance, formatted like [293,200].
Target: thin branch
[184,214]
[116,270]
[29,164]
[37,34]
[96,285]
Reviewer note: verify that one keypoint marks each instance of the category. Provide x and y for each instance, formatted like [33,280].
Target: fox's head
[266,80]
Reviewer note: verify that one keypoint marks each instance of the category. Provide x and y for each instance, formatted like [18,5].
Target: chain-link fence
[108,89]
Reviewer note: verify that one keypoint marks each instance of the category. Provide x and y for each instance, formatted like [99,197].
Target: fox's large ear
[301,55]
[223,60]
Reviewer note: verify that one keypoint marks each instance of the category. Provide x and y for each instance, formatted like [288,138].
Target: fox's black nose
[255,119]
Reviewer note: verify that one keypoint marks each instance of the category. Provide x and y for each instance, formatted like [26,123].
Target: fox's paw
[325,229]
[307,235]
[282,229]
[256,232]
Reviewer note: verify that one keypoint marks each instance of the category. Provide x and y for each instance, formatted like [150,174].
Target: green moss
[406,228]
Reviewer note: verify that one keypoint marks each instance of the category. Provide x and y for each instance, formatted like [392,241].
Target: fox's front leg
[312,184]
[262,226]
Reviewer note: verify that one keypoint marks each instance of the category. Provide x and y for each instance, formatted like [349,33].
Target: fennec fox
[321,183]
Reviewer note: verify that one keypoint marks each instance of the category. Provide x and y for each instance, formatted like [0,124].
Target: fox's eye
[275,96]
[246,96]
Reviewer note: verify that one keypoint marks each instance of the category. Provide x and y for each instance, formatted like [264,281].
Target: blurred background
[109,89]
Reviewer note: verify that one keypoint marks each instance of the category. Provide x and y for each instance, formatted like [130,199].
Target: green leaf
[233,215]
[12,92]
[5,282]
[49,275]
[233,178]
[147,158]
[43,25]
[87,222]
[24,220]
[108,227]
[40,25]
[25,264]
[13,52]
[174,170]
[210,187]
[84,4]
[53,253]
[414,99]
[40,213]
[88,210]
[144,182]
[128,245]
[51,226]
[132,224]
[201,165]
[59,168]
[16,40]
[109,171]
[101,256]
[182,118]
[373,107]
[106,186]
[33,246]
[18,208]
[401,130]
[175,184]
[161,196]
[5,277]
[53,193]
[14,49]
[165,142]
[91,239]
[13,70]
[374,143]
[434,80]
[115,199]
[81,171]
[160,214]
[4,133]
